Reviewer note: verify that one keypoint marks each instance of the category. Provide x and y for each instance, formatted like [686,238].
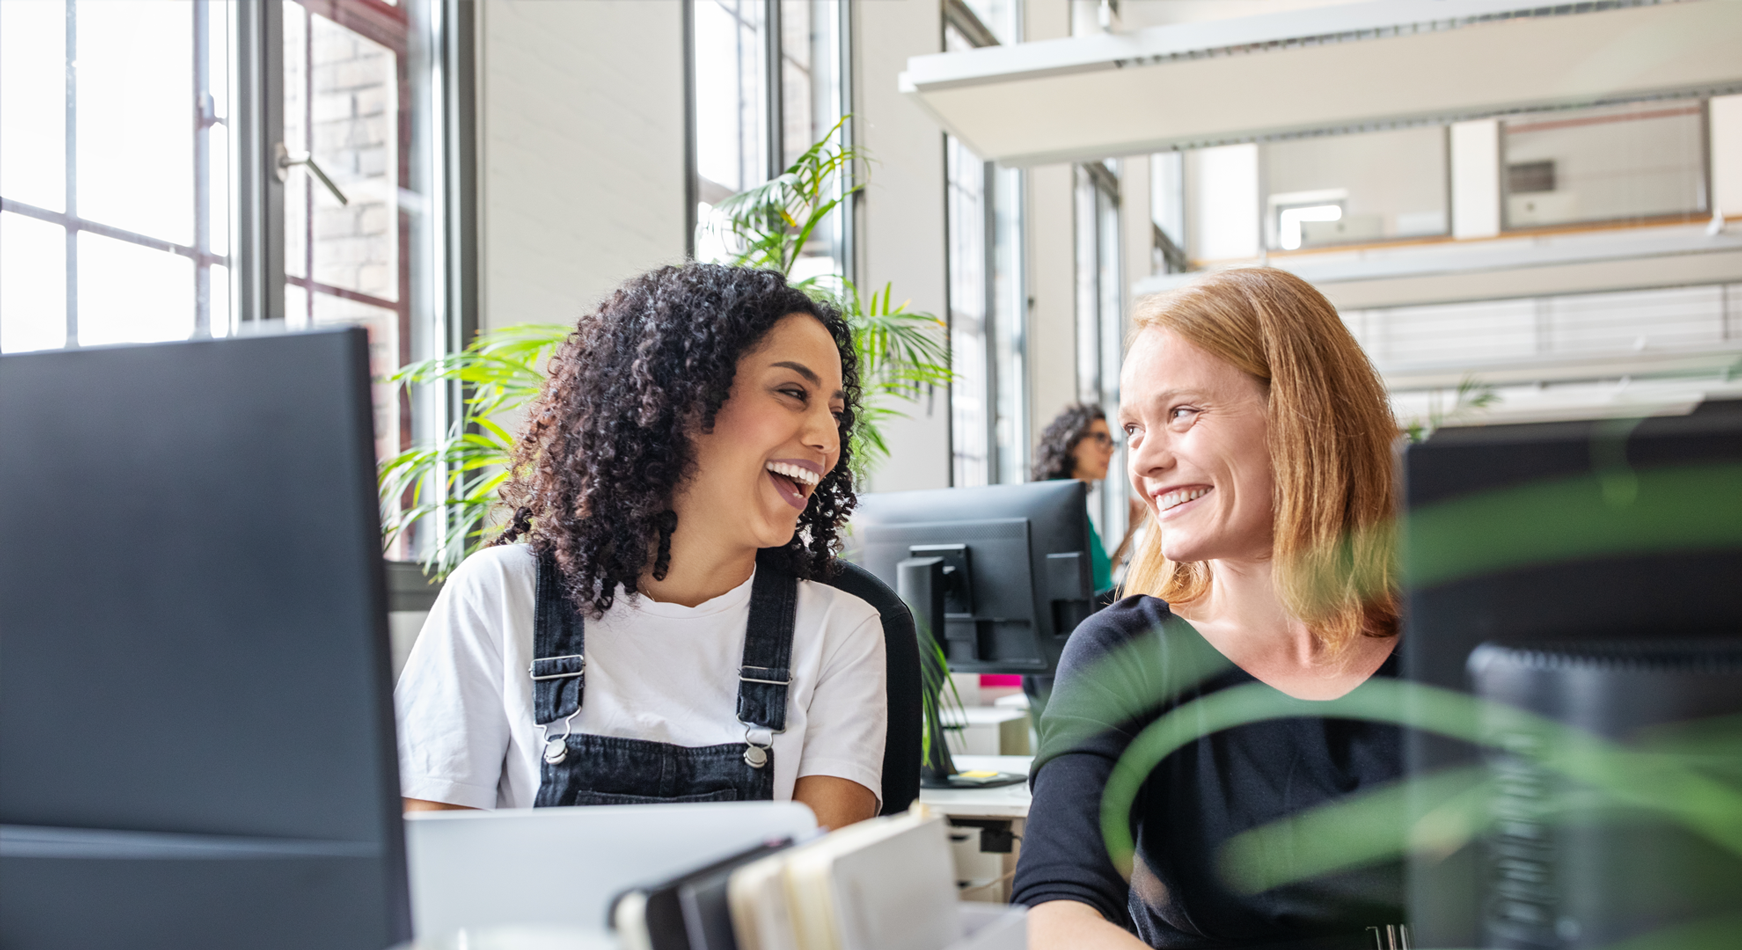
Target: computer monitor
[1014,563]
[196,724]
[1002,571]
[1558,533]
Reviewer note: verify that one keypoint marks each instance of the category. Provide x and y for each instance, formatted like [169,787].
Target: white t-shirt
[656,671]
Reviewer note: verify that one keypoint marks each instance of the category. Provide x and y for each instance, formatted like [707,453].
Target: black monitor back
[196,723]
[1559,533]
[1019,576]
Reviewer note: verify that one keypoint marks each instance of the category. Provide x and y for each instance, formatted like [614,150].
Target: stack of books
[882,884]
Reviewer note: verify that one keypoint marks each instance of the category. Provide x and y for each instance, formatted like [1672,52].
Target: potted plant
[449,485]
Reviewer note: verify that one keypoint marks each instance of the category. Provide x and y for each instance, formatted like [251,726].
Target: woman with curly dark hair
[1077,444]
[680,481]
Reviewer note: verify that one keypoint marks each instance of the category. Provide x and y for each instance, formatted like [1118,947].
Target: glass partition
[1355,189]
[1629,162]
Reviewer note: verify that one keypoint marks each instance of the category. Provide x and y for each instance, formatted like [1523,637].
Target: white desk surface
[980,716]
[1008,801]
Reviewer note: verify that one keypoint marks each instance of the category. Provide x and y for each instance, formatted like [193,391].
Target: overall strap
[766,671]
[558,633]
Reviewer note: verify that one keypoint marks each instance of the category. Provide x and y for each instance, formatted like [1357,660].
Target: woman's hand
[1071,925]
[838,802]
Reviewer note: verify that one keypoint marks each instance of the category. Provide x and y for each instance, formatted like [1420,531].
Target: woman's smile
[794,479]
[1172,502]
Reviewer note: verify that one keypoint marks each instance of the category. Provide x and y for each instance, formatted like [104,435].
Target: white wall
[1052,333]
[901,224]
[581,152]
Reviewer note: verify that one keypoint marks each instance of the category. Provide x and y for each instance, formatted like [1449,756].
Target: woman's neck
[1244,618]
[700,568]
[1244,605]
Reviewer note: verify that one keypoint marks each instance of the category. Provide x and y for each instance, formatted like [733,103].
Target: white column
[1222,205]
[1726,133]
[1476,179]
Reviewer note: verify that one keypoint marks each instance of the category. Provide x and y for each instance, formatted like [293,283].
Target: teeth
[1174,499]
[803,476]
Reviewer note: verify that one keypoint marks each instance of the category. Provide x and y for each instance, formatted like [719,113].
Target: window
[114,172]
[193,168]
[751,121]
[987,291]
[351,87]
[1167,213]
[1101,324]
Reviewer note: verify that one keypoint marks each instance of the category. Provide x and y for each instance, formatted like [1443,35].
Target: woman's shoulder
[1107,630]
[836,608]
[491,570]
[1136,654]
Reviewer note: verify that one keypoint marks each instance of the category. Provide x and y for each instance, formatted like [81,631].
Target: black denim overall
[580,769]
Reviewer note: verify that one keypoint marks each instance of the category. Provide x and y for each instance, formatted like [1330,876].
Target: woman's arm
[1106,689]
[1069,925]
[838,802]
[418,804]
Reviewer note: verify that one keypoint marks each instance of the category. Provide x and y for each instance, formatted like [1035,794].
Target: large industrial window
[114,173]
[987,298]
[1101,323]
[769,79]
[198,168]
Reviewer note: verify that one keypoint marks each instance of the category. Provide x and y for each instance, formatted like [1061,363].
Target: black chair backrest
[901,750]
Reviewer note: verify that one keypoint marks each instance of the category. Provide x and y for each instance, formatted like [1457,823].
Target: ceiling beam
[1248,79]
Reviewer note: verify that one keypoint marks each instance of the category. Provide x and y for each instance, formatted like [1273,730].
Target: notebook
[882,884]
[687,912]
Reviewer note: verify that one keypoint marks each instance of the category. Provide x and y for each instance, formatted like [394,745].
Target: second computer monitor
[1016,565]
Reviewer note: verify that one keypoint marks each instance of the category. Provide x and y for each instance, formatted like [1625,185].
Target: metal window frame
[257,196]
[774,124]
[258,217]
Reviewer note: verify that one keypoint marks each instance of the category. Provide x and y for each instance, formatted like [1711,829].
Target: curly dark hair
[1052,457]
[606,442]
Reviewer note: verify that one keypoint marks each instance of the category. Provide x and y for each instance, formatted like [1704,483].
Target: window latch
[284,159]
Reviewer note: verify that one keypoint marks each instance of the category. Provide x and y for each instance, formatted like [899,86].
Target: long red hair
[1331,437]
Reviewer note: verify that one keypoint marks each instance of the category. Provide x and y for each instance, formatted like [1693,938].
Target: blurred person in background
[1078,444]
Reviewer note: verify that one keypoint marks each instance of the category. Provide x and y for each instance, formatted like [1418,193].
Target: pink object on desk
[995,680]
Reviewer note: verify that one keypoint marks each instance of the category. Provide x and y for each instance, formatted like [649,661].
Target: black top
[1121,671]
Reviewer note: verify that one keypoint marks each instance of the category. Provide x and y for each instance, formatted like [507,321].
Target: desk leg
[985,852]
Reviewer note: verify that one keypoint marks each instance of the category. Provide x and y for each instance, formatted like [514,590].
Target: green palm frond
[448,486]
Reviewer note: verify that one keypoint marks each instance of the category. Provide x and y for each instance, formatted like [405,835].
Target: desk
[979,818]
[1008,801]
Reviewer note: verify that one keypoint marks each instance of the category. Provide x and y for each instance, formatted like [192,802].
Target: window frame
[773,109]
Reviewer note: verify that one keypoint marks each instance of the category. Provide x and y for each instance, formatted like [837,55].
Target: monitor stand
[920,583]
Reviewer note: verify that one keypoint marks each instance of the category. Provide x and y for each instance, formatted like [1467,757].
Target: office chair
[902,747]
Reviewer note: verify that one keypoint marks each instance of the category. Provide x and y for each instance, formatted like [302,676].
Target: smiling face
[774,439]
[1093,453]
[1195,430]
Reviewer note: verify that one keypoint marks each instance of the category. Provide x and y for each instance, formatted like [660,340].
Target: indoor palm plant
[448,485]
